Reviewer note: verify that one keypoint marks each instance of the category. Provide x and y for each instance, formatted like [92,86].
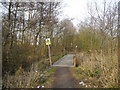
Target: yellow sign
[48,41]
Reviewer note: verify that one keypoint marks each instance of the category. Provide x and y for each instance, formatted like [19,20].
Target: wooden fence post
[75,61]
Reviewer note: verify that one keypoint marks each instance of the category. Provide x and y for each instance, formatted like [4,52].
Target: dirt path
[63,78]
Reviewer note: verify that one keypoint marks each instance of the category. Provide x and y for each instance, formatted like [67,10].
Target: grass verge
[96,71]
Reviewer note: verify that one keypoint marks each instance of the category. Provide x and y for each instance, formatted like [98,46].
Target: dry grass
[23,80]
[40,73]
[30,79]
[100,71]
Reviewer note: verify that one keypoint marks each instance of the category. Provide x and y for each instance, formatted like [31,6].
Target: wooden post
[49,55]
[75,61]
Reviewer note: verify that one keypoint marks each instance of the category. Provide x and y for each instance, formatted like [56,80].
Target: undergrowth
[100,72]
[38,75]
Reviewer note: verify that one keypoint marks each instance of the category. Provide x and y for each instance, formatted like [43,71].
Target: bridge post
[75,61]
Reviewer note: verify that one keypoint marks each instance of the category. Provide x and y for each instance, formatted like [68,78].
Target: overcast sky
[77,9]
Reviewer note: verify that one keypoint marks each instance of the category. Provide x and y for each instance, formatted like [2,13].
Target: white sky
[77,9]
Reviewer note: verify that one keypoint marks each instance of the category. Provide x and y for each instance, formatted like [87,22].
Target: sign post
[48,42]
[49,55]
[76,49]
